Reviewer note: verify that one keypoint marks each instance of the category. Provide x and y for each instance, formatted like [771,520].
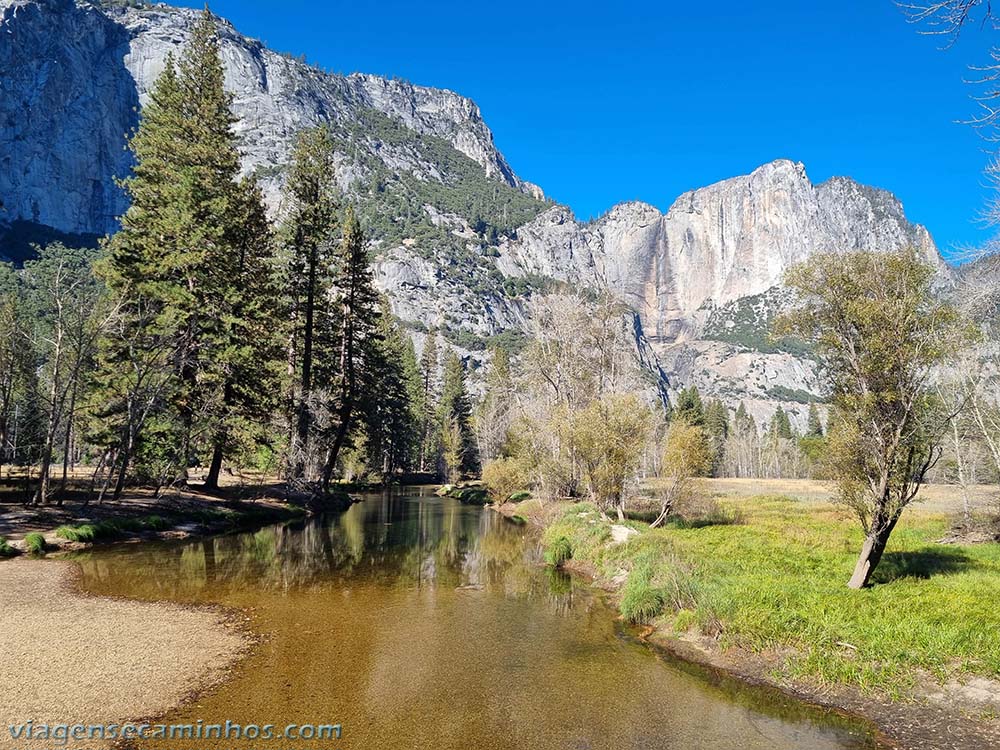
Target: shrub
[92,532]
[503,477]
[5,549]
[156,523]
[84,533]
[559,551]
[517,497]
[473,495]
[34,543]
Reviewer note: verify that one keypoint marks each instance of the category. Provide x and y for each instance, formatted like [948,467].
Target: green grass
[5,549]
[34,543]
[558,551]
[86,532]
[641,600]
[778,580]
[112,529]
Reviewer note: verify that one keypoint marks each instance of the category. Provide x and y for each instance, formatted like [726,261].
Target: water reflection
[418,622]
[398,540]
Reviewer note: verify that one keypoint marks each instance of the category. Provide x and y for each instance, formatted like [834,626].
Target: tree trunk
[665,509]
[338,443]
[42,493]
[215,467]
[304,417]
[122,472]
[67,444]
[871,555]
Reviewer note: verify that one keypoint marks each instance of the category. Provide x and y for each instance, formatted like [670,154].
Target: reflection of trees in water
[396,539]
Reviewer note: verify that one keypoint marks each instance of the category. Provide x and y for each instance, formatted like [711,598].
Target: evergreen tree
[309,242]
[252,349]
[390,421]
[429,362]
[781,425]
[717,420]
[716,428]
[137,363]
[814,426]
[415,391]
[689,407]
[176,263]
[16,360]
[743,422]
[494,414]
[203,262]
[357,315]
[455,419]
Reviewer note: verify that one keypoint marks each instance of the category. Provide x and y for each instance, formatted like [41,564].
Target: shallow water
[416,622]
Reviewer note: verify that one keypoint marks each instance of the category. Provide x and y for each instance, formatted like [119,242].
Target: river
[417,622]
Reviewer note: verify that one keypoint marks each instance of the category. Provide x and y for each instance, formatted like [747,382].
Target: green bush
[156,523]
[34,543]
[93,532]
[558,551]
[5,549]
[84,533]
[505,476]
[518,497]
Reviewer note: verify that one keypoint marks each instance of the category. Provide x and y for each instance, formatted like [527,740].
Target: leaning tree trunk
[215,467]
[665,507]
[871,555]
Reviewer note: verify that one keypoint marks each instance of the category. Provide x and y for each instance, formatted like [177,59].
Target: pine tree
[814,426]
[252,334]
[717,428]
[455,418]
[493,416]
[689,407]
[175,263]
[203,261]
[780,424]
[309,243]
[743,422]
[415,388]
[717,420]
[135,375]
[429,362]
[387,411]
[357,315]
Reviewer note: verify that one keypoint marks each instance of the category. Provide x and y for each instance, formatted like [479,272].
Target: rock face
[715,245]
[66,101]
[459,240]
[74,74]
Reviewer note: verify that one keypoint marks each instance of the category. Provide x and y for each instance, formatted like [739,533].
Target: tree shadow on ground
[924,563]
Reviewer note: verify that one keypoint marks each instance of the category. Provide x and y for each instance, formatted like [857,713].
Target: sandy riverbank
[69,657]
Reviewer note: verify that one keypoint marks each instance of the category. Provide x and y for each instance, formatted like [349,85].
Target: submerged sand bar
[71,658]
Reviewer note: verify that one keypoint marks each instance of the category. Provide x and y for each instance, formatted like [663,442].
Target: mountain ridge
[460,242]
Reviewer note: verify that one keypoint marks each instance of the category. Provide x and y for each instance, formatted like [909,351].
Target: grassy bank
[769,576]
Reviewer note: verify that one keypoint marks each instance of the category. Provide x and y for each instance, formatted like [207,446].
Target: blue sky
[601,104]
